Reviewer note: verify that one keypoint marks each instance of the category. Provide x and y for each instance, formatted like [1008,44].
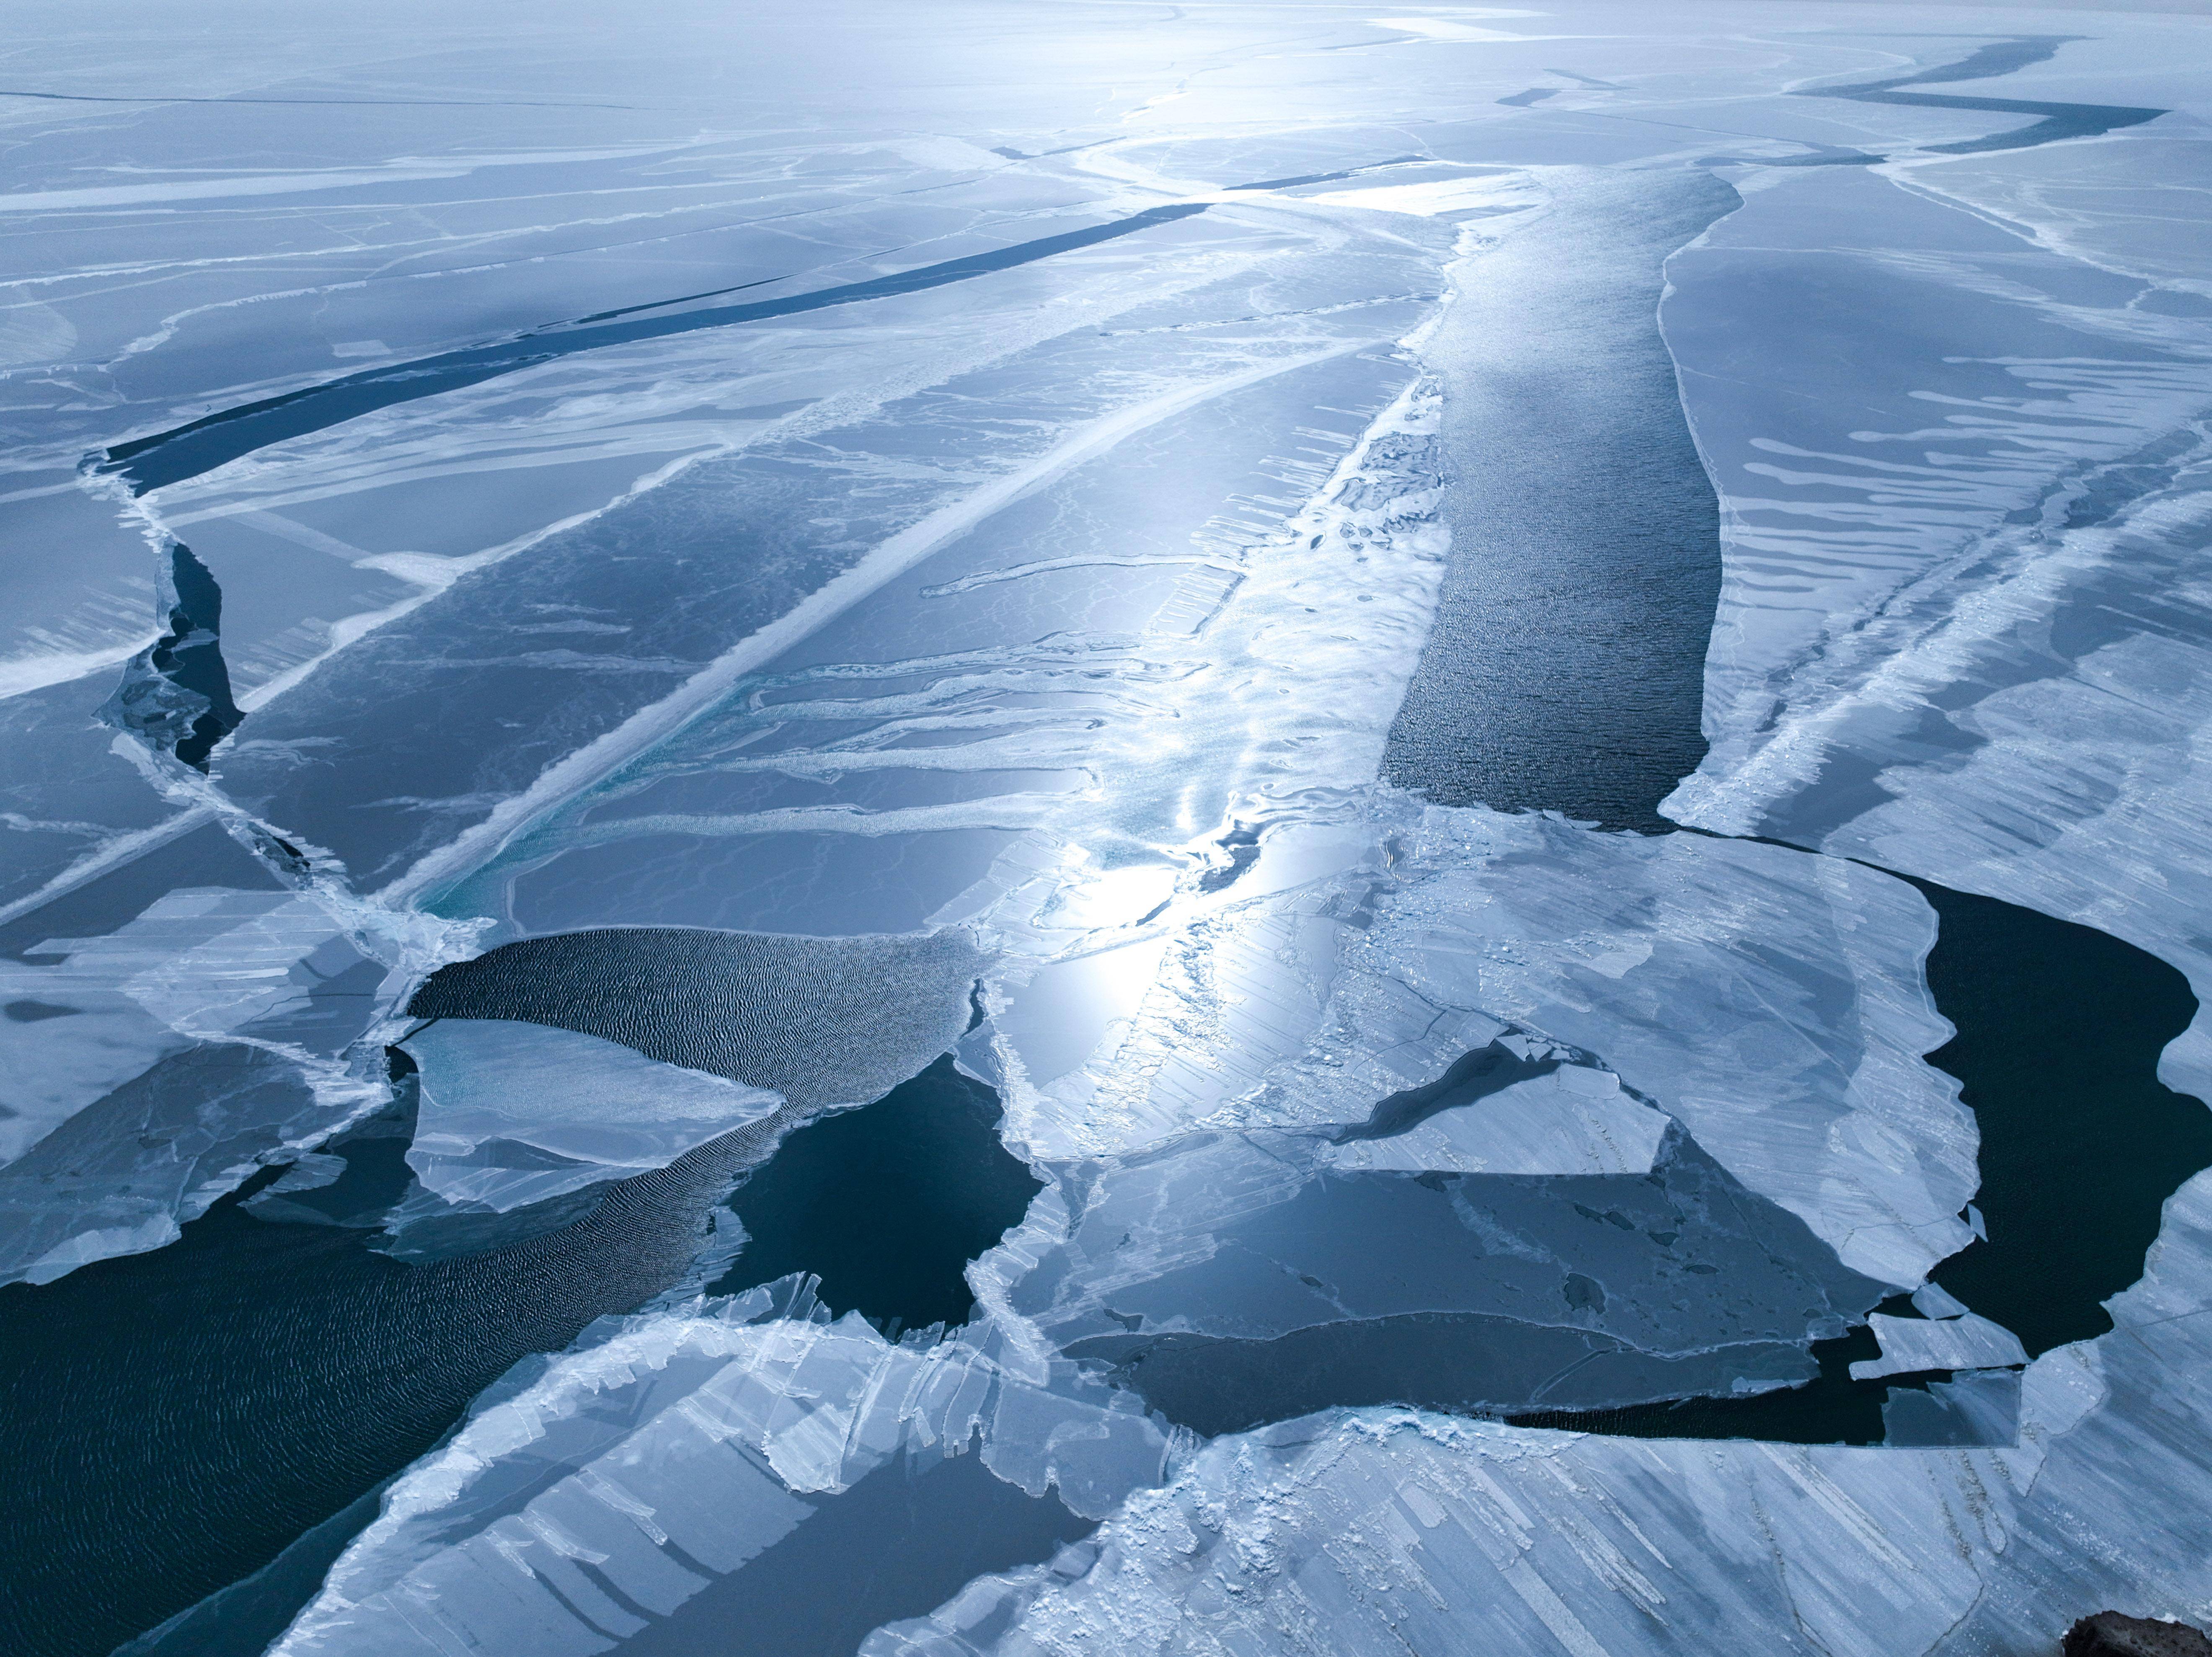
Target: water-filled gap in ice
[176,692]
[1565,669]
[164,458]
[2060,1027]
[1998,57]
[887,1204]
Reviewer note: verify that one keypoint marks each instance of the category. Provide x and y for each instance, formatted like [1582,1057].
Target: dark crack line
[188,451]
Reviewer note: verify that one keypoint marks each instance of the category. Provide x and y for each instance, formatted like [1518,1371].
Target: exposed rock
[2108,1634]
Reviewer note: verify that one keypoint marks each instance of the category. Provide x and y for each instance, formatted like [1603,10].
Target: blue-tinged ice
[631,1483]
[1071,606]
[156,1067]
[1967,1342]
[513,1114]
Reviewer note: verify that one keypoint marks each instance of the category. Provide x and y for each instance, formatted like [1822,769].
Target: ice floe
[1963,1342]
[515,1113]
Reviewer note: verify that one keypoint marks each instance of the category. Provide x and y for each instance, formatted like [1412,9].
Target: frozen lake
[1172,830]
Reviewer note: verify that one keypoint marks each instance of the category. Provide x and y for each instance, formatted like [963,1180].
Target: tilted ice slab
[1975,1406]
[1235,1282]
[515,1113]
[914,425]
[632,1483]
[154,1067]
[1574,1119]
[1380,1532]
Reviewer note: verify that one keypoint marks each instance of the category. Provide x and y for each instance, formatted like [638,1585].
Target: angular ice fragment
[208,962]
[1569,1119]
[1967,1342]
[1977,1406]
[1769,1002]
[210,1030]
[518,1113]
[1932,1300]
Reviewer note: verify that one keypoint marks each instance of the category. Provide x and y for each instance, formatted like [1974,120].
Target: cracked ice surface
[1769,1002]
[156,1067]
[1380,1530]
[1962,631]
[1070,607]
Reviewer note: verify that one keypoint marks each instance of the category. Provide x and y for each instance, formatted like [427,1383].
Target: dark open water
[1566,668]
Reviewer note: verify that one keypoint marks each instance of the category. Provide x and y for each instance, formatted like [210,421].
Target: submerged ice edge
[207,971]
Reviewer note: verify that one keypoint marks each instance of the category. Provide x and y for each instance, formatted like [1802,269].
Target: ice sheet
[1128,738]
